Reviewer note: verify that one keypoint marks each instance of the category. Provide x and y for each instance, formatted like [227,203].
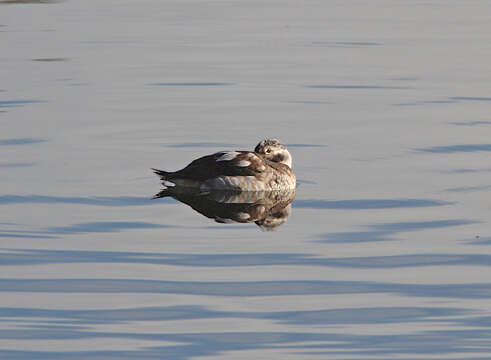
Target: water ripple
[357,87]
[470,188]
[104,226]
[96,200]
[368,204]
[245,288]
[24,257]
[385,232]
[193,345]
[461,148]
[470,98]
[21,141]
[15,103]
[192,84]
[368,315]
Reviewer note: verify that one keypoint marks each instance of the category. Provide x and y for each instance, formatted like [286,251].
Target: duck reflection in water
[237,186]
[268,209]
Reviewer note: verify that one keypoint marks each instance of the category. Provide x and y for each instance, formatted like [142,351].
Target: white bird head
[274,150]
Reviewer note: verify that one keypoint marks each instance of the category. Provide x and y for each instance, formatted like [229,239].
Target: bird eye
[268,151]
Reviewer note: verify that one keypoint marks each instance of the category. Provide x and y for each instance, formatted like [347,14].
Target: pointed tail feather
[163,174]
[162,194]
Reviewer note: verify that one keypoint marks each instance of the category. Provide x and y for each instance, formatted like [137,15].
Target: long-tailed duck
[268,167]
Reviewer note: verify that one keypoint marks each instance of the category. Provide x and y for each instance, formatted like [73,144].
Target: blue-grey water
[385,107]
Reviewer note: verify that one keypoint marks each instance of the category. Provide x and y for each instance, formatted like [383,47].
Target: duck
[267,168]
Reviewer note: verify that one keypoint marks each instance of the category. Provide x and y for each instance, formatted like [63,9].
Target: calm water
[385,107]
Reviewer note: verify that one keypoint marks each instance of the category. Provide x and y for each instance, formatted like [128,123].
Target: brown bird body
[268,167]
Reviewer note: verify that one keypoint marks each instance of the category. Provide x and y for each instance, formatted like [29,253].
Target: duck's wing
[224,163]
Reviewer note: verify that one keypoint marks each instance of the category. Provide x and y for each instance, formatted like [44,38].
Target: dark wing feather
[211,166]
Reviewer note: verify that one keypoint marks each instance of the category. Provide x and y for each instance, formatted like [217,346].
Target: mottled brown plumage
[267,168]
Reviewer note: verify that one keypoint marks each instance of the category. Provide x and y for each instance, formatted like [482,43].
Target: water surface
[385,251]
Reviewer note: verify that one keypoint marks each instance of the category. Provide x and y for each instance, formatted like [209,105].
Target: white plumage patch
[243,163]
[243,216]
[229,155]
[168,183]
[247,183]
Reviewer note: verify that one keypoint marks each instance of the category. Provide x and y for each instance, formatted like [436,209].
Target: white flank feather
[243,163]
[230,155]
[243,216]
